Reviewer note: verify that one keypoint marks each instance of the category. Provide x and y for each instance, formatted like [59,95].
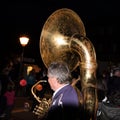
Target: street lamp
[23,41]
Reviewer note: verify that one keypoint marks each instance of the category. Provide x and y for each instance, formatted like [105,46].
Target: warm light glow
[59,40]
[88,75]
[24,41]
[29,68]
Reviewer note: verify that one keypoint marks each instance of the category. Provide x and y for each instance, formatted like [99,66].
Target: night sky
[101,20]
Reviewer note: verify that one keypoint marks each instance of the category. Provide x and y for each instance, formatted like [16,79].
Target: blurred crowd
[13,84]
[109,94]
[108,88]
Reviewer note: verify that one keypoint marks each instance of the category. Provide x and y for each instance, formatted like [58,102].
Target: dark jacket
[108,112]
[65,105]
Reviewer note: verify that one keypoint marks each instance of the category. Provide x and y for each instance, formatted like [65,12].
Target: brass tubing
[32,90]
[84,48]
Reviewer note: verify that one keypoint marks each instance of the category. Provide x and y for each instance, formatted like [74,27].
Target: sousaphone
[63,38]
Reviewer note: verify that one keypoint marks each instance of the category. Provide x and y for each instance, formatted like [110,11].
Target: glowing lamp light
[39,87]
[24,41]
[23,82]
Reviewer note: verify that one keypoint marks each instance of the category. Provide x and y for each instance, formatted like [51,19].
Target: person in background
[101,94]
[65,102]
[5,79]
[114,81]
[101,89]
[31,80]
[10,100]
[110,108]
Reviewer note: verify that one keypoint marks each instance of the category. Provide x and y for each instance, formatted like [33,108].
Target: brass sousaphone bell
[63,38]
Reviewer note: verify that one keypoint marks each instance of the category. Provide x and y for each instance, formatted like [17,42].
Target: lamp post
[23,41]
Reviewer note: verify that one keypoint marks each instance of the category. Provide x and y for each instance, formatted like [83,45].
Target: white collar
[59,90]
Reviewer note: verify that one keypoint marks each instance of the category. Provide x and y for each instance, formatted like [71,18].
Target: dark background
[101,20]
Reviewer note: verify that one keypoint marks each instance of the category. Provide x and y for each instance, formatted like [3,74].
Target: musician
[65,103]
